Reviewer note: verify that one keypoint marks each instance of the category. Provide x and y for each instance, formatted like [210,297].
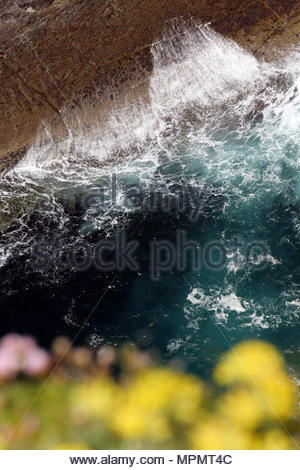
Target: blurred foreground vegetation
[72,398]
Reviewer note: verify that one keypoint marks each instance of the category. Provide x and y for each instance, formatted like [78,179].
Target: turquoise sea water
[218,121]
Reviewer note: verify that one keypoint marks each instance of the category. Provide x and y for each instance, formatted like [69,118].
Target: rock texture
[58,52]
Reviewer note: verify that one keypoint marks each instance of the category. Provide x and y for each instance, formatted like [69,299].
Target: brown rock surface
[58,52]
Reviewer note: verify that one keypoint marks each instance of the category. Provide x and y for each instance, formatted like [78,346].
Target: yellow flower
[250,408]
[158,429]
[260,367]
[252,361]
[219,434]
[151,389]
[242,407]
[276,439]
[95,397]
[152,400]
[128,421]
[162,389]
[279,396]
[187,399]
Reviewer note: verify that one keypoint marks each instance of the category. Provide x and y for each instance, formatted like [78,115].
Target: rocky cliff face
[58,52]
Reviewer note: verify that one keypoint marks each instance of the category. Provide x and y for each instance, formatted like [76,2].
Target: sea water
[222,128]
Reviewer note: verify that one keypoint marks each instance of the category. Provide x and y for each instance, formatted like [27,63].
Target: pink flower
[21,354]
[9,366]
[36,362]
[17,344]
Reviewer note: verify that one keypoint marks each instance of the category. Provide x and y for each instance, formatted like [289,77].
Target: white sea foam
[220,305]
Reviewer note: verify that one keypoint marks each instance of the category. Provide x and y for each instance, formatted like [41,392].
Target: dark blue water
[223,128]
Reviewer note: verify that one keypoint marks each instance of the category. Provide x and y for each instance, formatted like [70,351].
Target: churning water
[223,127]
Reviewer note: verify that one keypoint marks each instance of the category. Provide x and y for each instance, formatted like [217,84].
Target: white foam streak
[201,67]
